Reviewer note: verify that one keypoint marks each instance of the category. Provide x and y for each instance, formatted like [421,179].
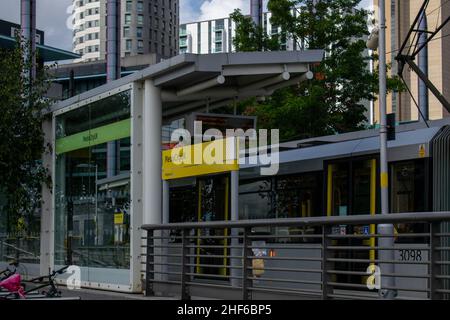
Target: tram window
[255,200]
[340,179]
[409,192]
[362,179]
[408,187]
[299,196]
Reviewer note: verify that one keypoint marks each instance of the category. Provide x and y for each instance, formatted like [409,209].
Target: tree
[333,102]
[21,139]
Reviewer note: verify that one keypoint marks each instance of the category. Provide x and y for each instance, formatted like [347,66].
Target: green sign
[93,137]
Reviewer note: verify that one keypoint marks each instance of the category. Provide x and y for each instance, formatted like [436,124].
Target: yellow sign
[118,218]
[200,159]
[422,152]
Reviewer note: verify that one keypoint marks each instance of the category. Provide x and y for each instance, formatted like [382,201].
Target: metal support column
[152,187]
[247,270]
[234,262]
[386,230]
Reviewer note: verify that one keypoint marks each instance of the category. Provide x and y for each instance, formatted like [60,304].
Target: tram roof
[188,80]
[309,155]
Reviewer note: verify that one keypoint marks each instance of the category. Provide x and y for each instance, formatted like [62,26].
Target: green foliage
[21,138]
[333,102]
[250,37]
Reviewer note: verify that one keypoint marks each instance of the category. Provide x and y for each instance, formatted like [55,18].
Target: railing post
[149,269]
[326,265]
[247,263]
[435,256]
[185,295]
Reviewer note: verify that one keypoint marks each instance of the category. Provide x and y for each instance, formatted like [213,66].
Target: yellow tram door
[212,248]
[352,190]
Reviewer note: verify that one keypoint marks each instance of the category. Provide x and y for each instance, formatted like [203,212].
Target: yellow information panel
[200,159]
[118,218]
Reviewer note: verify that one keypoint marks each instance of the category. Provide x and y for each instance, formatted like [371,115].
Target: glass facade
[92,189]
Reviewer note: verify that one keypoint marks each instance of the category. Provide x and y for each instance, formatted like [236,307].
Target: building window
[139,32]
[126,32]
[129,6]
[128,19]
[140,19]
[140,45]
[128,44]
[140,6]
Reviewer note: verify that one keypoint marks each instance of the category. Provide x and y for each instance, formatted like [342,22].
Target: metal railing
[305,258]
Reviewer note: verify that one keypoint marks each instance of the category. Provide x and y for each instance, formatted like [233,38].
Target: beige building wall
[400,14]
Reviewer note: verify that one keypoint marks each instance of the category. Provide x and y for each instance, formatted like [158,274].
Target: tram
[328,176]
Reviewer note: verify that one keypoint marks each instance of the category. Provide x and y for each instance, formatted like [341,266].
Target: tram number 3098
[410,255]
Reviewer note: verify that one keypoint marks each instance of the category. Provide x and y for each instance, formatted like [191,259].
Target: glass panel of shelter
[92,219]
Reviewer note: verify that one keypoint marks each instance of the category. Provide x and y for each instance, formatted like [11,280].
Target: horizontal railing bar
[415,217]
[213,237]
[164,255]
[376,261]
[213,246]
[284,290]
[212,266]
[287,258]
[391,275]
[212,276]
[442,277]
[356,285]
[365,236]
[286,280]
[165,264]
[268,246]
[352,297]
[372,248]
[211,285]
[166,272]
[442,290]
[290,270]
[218,256]
[443,262]
[293,236]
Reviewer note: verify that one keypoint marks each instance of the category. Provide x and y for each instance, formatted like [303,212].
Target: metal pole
[423,65]
[384,229]
[235,263]
[112,73]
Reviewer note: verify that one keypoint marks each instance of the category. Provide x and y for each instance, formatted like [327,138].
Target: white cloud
[216,9]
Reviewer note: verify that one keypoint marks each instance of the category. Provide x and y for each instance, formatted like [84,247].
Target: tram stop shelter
[106,161]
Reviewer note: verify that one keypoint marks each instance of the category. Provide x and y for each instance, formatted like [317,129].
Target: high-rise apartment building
[400,16]
[216,36]
[147,26]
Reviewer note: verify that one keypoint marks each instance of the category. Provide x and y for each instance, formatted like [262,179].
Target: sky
[52,15]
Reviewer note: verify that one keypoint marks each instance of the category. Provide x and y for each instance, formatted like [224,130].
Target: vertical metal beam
[423,65]
[384,229]
[28,32]
[149,268]
[152,172]
[435,255]
[185,295]
[234,270]
[256,11]
[247,272]
[326,265]
[112,73]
